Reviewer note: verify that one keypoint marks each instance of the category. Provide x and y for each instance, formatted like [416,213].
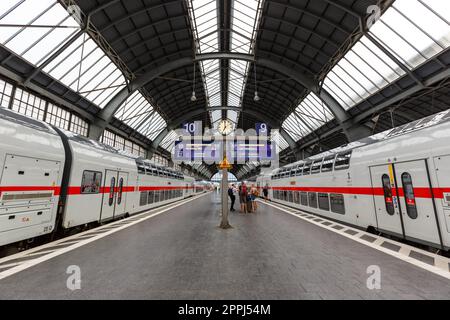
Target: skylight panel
[363,71]
[169,141]
[310,115]
[86,69]
[35,29]
[135,111]
[411,31]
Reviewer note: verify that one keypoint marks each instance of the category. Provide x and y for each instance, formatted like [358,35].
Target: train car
[52,180]
[396,182]
[32,163]
[158,185]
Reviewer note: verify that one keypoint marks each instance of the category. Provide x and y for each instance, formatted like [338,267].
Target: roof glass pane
[363,71]
[310,115]
[169,141]
[34,29]
[411,30]
[85,68]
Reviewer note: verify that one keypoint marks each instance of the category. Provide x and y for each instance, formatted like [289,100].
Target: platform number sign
[262,129]
[190,128]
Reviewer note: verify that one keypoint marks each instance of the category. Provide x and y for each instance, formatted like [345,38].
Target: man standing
[232,197]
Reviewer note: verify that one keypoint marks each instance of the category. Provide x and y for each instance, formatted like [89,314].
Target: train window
[285,195]
[312,196]
[120,192]
[337,203]
[299,171]
[297,197]
[343,161]
[143,199]
[410,198]
[316,166]
[388,199]
[150,197]
[167,194]
[90,183]
[307,168]
[328,163]
[304,198]
[324,201]
[112,186]
[140,166]
[157,198]
[290,196]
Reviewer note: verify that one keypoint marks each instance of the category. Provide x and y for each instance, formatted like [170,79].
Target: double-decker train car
[396,182]
[52,180]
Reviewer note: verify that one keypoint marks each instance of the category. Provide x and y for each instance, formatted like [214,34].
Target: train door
[417,202]
[442,165]
[388,211]
[114,197]
[109,195]
[121,196]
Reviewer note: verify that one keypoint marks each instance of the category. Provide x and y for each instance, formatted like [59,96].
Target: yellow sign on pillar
[224,164]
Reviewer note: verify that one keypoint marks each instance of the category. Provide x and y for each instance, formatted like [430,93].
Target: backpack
[244,190]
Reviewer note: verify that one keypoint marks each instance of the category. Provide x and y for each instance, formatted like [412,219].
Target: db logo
[25,219]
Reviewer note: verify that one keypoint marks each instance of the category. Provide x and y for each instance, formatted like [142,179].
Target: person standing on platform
[232,197]
[253,196]
[243,197]
[266,192]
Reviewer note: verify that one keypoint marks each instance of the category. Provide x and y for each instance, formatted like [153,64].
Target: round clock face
[225,127]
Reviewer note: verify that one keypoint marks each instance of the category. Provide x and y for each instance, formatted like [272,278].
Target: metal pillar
[224,223]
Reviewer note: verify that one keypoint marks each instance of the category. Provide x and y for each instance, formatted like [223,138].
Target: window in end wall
[29,104]
[57,116]
[79,126]
[5,93]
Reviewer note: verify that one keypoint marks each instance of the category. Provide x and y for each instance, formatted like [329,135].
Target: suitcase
[249,204]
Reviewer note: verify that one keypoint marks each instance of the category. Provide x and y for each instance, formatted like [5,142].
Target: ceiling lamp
[256,98]
[193,97]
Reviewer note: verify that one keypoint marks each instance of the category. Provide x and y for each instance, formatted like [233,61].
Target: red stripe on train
[77,190]
[56,190]
[418,192]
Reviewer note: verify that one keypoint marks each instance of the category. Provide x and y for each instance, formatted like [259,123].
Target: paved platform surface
[181,254]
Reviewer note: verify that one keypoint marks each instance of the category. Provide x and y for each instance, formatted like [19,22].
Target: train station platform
[178,252]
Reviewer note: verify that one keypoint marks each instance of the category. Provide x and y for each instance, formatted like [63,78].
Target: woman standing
[243,197]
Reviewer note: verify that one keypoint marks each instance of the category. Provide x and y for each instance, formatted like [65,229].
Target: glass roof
[169,141]
[34,29]
[204,19]
[411,30]
[282,144]
[245,16]
[139,114]
[45,26]
[310,115]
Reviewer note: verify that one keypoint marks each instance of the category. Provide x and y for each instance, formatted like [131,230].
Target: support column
[224,223]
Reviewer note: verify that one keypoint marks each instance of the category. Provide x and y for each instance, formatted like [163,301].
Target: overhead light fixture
[256,98]
[193,97]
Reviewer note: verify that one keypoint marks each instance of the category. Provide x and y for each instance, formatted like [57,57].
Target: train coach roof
[427,122]
[18,118]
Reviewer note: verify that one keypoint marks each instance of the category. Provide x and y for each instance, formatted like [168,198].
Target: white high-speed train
[396,182]
[53,180]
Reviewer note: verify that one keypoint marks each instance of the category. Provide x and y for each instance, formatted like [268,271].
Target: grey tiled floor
[183,255]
